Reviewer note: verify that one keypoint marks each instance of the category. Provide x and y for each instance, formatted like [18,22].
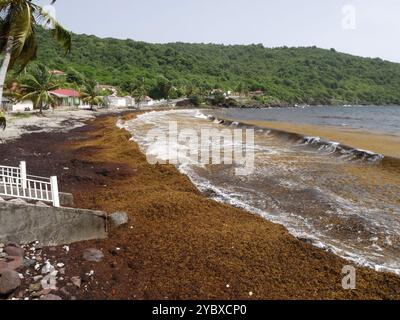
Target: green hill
[295,75]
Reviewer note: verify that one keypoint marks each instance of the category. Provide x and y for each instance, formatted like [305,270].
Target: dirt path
[178,244]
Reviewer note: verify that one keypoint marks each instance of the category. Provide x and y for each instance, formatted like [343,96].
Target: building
[148,101]
[119,102]
[22,106]
[67,97]
[12,106]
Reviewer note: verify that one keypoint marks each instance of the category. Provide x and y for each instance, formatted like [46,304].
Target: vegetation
[19,21]
[91,95]
[293,75]
[36,86]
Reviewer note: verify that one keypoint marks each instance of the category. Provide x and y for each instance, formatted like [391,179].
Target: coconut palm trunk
[5,65]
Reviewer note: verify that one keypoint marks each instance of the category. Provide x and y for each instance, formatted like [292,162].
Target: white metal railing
[14,182]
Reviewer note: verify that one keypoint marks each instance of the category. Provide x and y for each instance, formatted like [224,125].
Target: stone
[14,251]
[2,245]
[93,255]
[50,297]
[49,282]
[3,255]
[40,293]
[9,282]
[29,263]
[11,263]
[60,265]
[35,287]
[37,278]
[76,281]
[47,268]
[119,218]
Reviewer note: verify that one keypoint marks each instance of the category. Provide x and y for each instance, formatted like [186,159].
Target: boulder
[119,218]
[11,263]
[14,251]
[9,282]
[93,255]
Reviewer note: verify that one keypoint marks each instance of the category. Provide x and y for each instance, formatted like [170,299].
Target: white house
[119,102]
[26,105]
[21,106]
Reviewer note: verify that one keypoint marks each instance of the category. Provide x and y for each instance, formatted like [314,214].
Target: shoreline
[180,244]
[379,143]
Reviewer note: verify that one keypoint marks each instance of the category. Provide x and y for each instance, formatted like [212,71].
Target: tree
[139,92]
[18,43]
[37,86]
[91,95]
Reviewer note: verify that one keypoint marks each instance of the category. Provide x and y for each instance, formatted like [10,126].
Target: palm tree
[37,86]
[18,44]
[90,95]
[139,92]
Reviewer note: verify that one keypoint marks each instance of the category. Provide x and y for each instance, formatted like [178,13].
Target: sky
[369,28]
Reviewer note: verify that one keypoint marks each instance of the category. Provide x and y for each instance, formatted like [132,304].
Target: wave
[326,146]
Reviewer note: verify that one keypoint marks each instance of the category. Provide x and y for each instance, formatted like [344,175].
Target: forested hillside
[295,75]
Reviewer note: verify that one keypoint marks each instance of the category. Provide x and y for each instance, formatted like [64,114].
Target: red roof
[65,93]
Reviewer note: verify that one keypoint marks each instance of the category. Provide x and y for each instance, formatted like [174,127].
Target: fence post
[22,168]
[54,191]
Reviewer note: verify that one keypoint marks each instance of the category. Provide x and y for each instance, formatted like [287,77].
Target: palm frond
[62,36]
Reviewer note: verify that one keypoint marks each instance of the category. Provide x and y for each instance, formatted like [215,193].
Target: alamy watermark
[349,17]
[202,146]
[349,279]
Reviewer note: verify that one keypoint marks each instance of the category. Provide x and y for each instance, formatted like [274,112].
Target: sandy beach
[179,244]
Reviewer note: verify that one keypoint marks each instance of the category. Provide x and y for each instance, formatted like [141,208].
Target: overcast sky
[368,28]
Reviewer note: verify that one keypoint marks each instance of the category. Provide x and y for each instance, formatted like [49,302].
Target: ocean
[336,196]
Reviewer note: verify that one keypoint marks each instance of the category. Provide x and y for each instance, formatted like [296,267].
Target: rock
[47,268]
[11,263]
[50,297]
[29,263]
[9,282]
[3,255]
[93,255]
[76,281]
[2,245]
[14,251]
[119,218]
[40,293]
[62,271]
[35,287]
[49,282]
[37,278]
[60,265]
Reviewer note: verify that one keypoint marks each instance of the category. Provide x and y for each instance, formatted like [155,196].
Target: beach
[379,143]
[179,244]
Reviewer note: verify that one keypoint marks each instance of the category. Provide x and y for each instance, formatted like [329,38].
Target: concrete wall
[50,226]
